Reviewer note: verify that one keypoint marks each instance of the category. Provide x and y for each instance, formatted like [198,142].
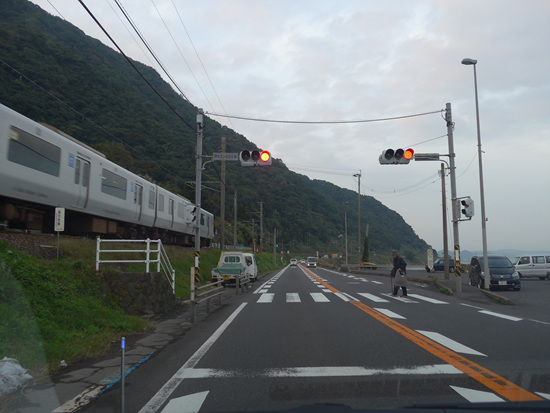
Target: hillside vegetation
[51,72]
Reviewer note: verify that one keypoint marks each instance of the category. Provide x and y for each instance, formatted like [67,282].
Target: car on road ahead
[503,274]
[293,262]
[439,265]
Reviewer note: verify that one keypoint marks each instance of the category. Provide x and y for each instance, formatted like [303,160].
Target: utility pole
[198,185]
[358,217]
[445,243]
[454,201]
[261,226]
[222,200]
[235,221]
[274,246]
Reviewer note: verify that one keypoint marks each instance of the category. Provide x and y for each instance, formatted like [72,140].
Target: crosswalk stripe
[428,299]
[292,298]
[400,298]
[319,298]
[266,298]
[374,298]
[389,313]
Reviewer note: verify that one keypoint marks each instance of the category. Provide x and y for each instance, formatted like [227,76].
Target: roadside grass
[59,309]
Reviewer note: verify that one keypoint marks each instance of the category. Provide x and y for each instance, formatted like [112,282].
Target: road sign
[59,225]
[228,156]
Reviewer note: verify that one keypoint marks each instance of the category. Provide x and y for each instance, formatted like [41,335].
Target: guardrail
[156,256]
[216,289]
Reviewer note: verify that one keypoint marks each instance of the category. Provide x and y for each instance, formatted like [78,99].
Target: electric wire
[85,117]
[200,60]
[181,54]
[315,122]
[174,83]
[134,66]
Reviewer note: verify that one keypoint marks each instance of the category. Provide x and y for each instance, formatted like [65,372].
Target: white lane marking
[507,317]
[476,396]
[266,298]
[326,290]
[271,280]
[323,371]
[167,389]
[545,395]
[319,298]
[473,306]
[449,343]
[374,298]
[389,313]
[428,299]
[82,399]
[377,282]
[191,403]
[265,290]
[293,298]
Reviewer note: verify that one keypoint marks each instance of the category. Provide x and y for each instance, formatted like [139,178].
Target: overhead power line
[319,122]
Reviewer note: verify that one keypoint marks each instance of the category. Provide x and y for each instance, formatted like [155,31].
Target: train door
[81,181]
[171,211]
[138,201]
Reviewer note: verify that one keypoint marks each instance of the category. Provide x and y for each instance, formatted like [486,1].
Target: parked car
[293,262]
[503,274]
[439,265]
[533,265]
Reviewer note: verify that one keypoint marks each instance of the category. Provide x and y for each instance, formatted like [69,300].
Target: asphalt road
[304,337]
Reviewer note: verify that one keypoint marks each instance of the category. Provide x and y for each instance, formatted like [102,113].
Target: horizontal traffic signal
[396,157]
[255,158]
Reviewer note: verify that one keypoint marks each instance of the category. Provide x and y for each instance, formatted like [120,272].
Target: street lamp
[487,275]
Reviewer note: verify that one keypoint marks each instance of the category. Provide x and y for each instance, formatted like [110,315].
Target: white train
[42,168]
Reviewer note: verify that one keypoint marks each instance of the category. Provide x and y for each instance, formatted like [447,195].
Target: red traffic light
[409,153]
[265,156]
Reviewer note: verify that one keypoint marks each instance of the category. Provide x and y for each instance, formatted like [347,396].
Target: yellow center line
[493,381]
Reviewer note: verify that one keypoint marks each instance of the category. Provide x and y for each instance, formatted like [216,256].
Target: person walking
[399,274]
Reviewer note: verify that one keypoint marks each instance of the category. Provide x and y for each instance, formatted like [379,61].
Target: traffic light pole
[455,212]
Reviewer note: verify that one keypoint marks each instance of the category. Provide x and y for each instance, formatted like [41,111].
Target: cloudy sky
[328,60]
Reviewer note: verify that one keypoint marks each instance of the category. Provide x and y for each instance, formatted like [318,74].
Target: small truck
[233,264]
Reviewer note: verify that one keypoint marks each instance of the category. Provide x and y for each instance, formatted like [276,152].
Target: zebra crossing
[327,296]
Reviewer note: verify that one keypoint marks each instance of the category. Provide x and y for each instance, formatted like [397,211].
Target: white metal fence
[154,254]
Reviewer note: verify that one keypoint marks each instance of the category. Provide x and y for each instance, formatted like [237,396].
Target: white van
[533,265]
[246,259]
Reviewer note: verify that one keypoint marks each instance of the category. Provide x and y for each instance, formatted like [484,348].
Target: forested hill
[51,72]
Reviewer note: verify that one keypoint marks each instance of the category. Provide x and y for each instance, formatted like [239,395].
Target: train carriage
[42,168]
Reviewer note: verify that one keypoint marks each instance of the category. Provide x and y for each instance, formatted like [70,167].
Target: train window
[113,184]
[138,194]
[30,151]
[161,203]
[181,210]
[151,199]
[171,207]
[85,174]
[77,172]
[202,219]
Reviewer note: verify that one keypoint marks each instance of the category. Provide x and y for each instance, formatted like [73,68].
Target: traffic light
[467,207]
[255,158]
[396,157]
[192,210]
